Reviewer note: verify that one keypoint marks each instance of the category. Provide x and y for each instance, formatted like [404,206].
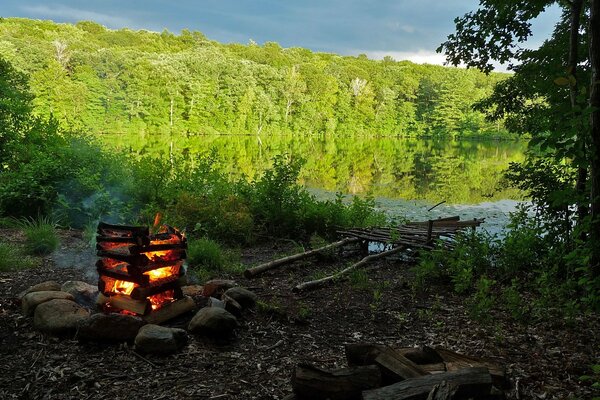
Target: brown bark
[127,303]
[315,383]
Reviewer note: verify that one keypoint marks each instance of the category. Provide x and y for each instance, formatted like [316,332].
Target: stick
[438,204]
[251,272]
[364,261]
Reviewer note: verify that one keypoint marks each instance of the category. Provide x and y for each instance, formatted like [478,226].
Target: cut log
[455,361]
[341,384]
[323,281]
[252,272]
[123,302]
[471,382]
[421,355]
[443,391]
[395,367]
[170,311]
[436,368]
[362,353]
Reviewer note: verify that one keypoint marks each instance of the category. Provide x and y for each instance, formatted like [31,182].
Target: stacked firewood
[378,372]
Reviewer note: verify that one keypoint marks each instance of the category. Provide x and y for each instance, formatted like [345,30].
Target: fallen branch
[252,272]
[320,282]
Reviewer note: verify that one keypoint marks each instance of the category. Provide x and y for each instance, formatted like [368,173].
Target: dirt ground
[544,360]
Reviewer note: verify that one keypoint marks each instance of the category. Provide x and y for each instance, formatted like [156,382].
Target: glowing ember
[123,287]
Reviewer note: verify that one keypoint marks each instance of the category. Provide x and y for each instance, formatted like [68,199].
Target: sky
[403,29]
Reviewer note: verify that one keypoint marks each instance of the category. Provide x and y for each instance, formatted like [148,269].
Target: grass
[207,258]
[12,258]
[40,235]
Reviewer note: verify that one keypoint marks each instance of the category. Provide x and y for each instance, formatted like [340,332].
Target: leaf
[561,81]
[572,80]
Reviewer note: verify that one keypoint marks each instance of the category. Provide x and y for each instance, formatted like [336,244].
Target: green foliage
[40,234]
[207,254]
[482,301]
[12,258]
[136,82]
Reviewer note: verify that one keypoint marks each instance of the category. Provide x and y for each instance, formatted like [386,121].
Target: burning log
[125,302]
[170,311]
[347,383]
[139,271]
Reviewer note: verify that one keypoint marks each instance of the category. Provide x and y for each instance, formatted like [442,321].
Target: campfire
[139,272]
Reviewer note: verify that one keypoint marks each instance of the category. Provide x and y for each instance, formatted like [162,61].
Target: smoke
[82,257]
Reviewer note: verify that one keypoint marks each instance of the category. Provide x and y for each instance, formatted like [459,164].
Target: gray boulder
[244,297]
[41,287]
[31,300]
[158,339]
[213,321]
[58,316]
[109,327]
[84,293]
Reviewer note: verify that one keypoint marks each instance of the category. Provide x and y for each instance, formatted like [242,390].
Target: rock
[33,299]
[243,296]
[158,339]
[214,302]
[216,287]
[213,321]
[109,327]
[84,293]
[192,290]
[58,316]
[48,286]
[232,306]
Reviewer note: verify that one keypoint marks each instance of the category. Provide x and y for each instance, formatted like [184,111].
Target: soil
[544,360]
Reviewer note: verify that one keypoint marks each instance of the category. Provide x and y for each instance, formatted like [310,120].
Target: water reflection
[458,172]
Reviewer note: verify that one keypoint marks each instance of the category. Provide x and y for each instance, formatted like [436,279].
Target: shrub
[40,235]
[207,254]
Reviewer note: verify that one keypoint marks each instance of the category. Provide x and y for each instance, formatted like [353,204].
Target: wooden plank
[456,361]
[395,367]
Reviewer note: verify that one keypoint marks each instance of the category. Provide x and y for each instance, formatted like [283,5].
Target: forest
[98,80]
[522,305]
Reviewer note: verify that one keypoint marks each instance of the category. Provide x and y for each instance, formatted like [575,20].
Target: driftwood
[252,272]
[471,382]
[321,282]
[310,382]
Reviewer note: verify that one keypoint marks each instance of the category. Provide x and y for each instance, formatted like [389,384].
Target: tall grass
[40,235]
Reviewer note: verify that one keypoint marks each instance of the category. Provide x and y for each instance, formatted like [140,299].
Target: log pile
[409,238]
[379,372]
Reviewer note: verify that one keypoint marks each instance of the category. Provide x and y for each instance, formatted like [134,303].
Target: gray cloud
[347,27]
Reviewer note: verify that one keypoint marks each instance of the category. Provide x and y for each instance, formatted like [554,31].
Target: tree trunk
[595,134]
[582,172]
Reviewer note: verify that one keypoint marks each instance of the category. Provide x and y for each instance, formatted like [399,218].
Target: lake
[405,175]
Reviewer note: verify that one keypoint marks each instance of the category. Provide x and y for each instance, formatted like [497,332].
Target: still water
[405,175]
